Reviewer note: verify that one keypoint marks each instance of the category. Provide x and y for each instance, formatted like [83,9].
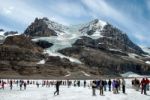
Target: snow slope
[147,62]
[72,93]
[130,74]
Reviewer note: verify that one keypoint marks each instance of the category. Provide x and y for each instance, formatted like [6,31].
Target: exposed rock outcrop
[39,28]
[44,44]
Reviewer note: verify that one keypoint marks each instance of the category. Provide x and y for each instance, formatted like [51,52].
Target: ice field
[71,93]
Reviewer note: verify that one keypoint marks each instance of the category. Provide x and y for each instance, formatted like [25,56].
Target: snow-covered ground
[72,93]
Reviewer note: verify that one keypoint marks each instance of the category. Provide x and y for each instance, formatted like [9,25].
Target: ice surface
[72,93]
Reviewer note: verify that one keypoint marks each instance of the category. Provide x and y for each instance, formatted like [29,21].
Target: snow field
[72,93]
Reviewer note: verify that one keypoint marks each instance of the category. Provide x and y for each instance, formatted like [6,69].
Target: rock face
[39,28]
[22,41]
[106,62]
[43,44]
[114,38]
[20,48]
[109,37]
[19,55]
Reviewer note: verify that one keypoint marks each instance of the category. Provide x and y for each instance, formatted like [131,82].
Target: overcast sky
[131,16]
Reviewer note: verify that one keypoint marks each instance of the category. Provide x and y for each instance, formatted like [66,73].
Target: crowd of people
[110,85]
[114,85]
[144,83]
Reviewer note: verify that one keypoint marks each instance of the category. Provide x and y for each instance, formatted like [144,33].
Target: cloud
[68,9]
[140,37]
[126,20]
[127,15]
[18,11]
[24,13]
[7,10]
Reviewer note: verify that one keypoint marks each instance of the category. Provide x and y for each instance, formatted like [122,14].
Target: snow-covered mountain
[93,47]
[65,36]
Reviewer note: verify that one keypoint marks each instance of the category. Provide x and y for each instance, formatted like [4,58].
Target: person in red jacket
[143,84]
[147,84]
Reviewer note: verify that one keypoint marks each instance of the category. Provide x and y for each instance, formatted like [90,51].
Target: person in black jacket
[57,87]
[25,85]
[84,83]
[11,84]
[109,85]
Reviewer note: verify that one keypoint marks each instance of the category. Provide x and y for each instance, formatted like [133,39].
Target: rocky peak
[92,26]
[1,30]
[39,28]
[54,25]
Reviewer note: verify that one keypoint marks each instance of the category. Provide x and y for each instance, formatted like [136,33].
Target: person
[147,84]
[114,85]
[3,85]
[57,87]
[17,82]
[109,85]
[123,85]
[69,83]
[74,83]
[84,83]
[37,84]
[101,86]
[21,83]
[78,83]
[28,82]
[143,84]
[11,84]
[25,85]
[105,84]
[93,88]
[136,84]
[117,84]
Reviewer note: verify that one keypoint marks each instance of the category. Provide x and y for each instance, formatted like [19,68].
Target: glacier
[67,35]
